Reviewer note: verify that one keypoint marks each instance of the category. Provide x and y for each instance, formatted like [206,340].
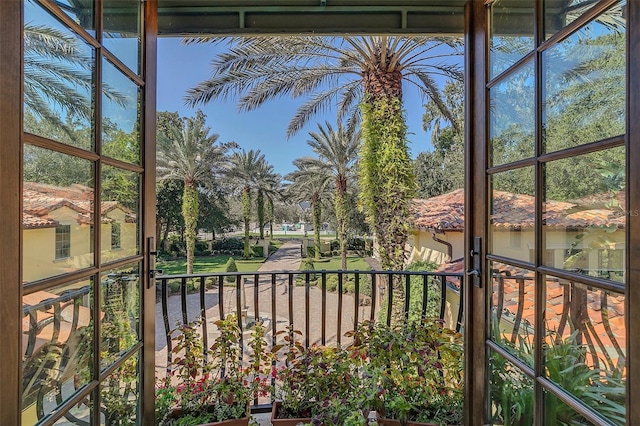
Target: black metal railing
[322,305]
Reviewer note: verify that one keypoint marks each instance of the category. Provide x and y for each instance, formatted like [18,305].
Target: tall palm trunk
[342,217]
[386,174]
[260,207]
[316,211]
[271,218]
[190,214]
[246,215]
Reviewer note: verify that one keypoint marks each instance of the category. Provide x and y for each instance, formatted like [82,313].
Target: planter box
[244,421]
[392,422]
[275,421]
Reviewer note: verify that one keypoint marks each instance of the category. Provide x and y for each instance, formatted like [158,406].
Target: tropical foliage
[310,183]
[337,152]
[188,152]
[350,72]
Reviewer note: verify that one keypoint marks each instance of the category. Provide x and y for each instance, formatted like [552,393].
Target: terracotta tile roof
[39,200]
[30,221]
[446,213]
[442,213]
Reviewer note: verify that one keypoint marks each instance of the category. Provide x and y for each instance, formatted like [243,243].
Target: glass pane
[512,117]
[58,80]
[585,344]
[584,81]
[120,213]
[81,12]
[511,33]
[513,309]
[560,13]
[122,31]
[511,393]
[57,336]
[120,395]
[79,414]
[57,217]
[120,116]
[120,310]
[512,216]
[559,413]
[584,218]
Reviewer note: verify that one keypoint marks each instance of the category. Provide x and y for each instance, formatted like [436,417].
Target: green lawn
[333,263]
[207,264]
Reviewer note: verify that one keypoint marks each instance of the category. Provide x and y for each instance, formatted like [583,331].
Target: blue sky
[181,67]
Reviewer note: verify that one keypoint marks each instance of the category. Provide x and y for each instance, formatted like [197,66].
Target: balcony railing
[322,305]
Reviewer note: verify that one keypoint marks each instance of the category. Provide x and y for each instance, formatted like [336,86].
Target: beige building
[586,235]
[58,230]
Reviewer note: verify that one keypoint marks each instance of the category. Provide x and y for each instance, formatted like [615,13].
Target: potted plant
[414,371]
[217,392]
[311,383]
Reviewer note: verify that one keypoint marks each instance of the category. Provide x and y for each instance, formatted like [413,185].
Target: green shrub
[258,251]
[311,251]
[332,282]
[307,265]
[228,244]
[335,245]
[349,286]
[174,286]
[231,267]
[210,283]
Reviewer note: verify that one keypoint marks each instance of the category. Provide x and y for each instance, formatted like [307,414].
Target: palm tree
[264,179]
[188,152]
[337,152]
[274,192]
[58,77]
[330,70]
[309,183]
[244,167]
[348,72]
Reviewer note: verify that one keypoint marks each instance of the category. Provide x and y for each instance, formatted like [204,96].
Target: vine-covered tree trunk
[246,215]
[260,208]
[316,212]
[386,174]
[190,214]
[271,218]
[342,216]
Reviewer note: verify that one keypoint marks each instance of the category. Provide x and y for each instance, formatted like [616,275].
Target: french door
[87,185]
[551,199]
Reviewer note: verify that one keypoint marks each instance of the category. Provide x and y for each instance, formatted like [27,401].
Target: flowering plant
[214,385]
[413,371]
[312,379]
